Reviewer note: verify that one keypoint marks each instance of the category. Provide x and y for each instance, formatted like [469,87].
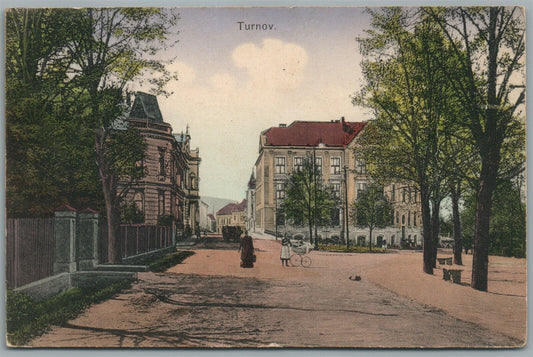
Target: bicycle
[300,256]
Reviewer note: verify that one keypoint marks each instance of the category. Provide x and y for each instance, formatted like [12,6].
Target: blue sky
[234,83]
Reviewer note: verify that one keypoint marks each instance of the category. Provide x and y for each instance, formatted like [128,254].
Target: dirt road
[209,301]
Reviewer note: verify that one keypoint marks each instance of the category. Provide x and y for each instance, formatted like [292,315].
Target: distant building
[250,204]
[203,216]
[212,221]
[283,149]
[232,214]
[169,192]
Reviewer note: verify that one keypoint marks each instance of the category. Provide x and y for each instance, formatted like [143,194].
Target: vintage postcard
[266,177]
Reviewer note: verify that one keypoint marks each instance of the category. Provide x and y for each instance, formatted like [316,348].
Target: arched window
[192,181]
[138,198]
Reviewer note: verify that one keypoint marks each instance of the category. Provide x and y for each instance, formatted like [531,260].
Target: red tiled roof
[211,217]
[337,133]
[232,207]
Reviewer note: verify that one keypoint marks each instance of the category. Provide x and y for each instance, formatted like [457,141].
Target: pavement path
[209,301]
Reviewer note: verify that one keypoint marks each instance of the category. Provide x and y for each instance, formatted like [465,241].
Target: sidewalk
[503,308]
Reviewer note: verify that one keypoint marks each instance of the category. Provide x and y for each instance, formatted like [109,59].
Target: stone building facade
[283,149]
[232,214]
[250,204]
[169,192]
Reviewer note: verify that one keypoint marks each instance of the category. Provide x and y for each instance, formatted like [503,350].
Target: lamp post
[346,215]
[276,214]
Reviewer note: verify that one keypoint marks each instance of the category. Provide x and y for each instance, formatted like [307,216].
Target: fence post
[65,239]
[88,239]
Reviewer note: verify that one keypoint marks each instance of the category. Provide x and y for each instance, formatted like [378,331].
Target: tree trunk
[435,230]
[370,241]
[489,144]
[426,230]
[114,254]
[457,235]
[480,254]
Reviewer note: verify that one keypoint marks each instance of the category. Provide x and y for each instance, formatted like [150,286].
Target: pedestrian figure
[247,251]
[285,251]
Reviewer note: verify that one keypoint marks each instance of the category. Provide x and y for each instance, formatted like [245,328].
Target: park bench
[443,261]
[453,275]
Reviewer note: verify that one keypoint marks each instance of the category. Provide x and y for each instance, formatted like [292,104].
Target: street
[209,301]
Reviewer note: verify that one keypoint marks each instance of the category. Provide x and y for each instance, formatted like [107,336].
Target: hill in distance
[216,203]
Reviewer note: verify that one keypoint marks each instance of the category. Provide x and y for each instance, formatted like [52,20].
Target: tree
[68,73]
[44,107]
[407,92]
[306,199]
[113,47]
[508,222]
[488,45]
[372,209]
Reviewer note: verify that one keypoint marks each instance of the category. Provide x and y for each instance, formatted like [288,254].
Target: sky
[234,83]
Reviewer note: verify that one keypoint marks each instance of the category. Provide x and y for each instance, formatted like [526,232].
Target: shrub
[131,214]
[352,249]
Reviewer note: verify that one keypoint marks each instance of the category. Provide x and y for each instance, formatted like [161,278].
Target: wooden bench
[453,275]
[443,261]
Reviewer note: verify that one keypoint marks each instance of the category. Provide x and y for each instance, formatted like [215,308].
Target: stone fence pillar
[65,220]
[88,239]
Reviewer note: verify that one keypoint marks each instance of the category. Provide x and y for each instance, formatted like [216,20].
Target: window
[336,190]
[404,191]
[393,193]
[279,164]
[280,190]
[335,165]
[360,166]
[408,219]
[335,217]
[162,152]
[318,164]
[138,198]
[192,181]
[298,163]
[161,203]
[361,187]
[414,219]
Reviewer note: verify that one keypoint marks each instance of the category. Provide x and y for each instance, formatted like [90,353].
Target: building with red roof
[284,148]
[232,214]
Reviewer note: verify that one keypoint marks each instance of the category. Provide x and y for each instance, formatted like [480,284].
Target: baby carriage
[300,254]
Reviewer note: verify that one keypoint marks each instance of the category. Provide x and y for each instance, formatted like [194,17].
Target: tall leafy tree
[76,63]
[508,222]
[372,209]
[405,88]
[113,47]
[307,200]
[44,123]
[488,45]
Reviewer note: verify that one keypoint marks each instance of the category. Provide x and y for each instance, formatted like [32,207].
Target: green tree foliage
[406,90]
[67,76]
[44,126]
[131,214]
[508,222]
[372,209]
[488,46]
[307,200]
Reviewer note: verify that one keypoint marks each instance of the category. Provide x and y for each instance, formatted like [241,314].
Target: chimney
[283,125]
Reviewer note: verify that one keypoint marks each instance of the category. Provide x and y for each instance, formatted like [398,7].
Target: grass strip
[26,318]
[161,264]
[352,249]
